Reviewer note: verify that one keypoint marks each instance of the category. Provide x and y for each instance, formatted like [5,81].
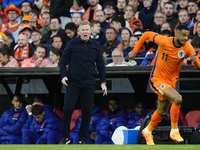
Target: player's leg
[163,106]
[176,99]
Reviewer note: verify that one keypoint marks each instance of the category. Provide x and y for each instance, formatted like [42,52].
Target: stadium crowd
[34,33]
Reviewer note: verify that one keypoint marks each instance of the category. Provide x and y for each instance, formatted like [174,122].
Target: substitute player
[165,73]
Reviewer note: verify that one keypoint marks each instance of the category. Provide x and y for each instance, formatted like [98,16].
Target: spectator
[27,29]
[96,34]
[133,41]
[13,12]
[2,15]
[125,39]
[57,42]
[36,37]
[22,49]
[25,7]
[115,117]
[6,60]
[45,127]
[3,39]
[121,4]
[146,15]
[134,3]
[76,18]
[161,5]
[91,11]
[192,9]
[36,23]
[54,58]
[9,42]
[197,30]
[101,17]
[183,4]
[159,19]
[165,26]
[112,41]
[43,9]
[12,121]
[137,115]
[46,17]
[118,59]
[193,29]
[2,26]
[71,30]
[118,23]
[14,2]
[170,16]
[37,58]
[95,117]
[184,18]
[55,26]
[109,9]
[130,16]
[27,20]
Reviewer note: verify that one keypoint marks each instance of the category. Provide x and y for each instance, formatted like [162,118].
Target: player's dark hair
[20,97]
[115,99]
[37,110]
[196,42]
[181,27]
[136,103]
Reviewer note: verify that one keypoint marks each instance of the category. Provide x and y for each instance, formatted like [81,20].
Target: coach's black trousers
[86,93]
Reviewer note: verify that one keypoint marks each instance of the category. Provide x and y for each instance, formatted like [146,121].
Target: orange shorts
[159,87]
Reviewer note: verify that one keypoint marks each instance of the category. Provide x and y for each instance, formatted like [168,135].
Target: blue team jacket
[50,122]
[11,123]
[95,117]
[134,120]
[27,125]
[110,122]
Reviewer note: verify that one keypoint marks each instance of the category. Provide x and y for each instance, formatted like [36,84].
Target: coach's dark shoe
[81,142]
[65,141]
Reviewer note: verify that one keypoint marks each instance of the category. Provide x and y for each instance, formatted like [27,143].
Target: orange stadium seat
[192,118]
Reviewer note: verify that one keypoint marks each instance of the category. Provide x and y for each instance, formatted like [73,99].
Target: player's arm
[147,35]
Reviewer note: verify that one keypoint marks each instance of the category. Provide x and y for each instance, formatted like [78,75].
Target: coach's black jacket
[81,56]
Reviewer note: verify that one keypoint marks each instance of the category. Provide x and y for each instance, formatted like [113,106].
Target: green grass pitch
[99,147]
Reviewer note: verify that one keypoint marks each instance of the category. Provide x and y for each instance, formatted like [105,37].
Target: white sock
[174,130]
[147,131]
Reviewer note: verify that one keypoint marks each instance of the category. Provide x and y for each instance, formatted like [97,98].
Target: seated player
[115,117]
[12,121]
[137,115]
[45,127]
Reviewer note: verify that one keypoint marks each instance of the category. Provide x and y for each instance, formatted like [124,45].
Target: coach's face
[182,36]
[85,32]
